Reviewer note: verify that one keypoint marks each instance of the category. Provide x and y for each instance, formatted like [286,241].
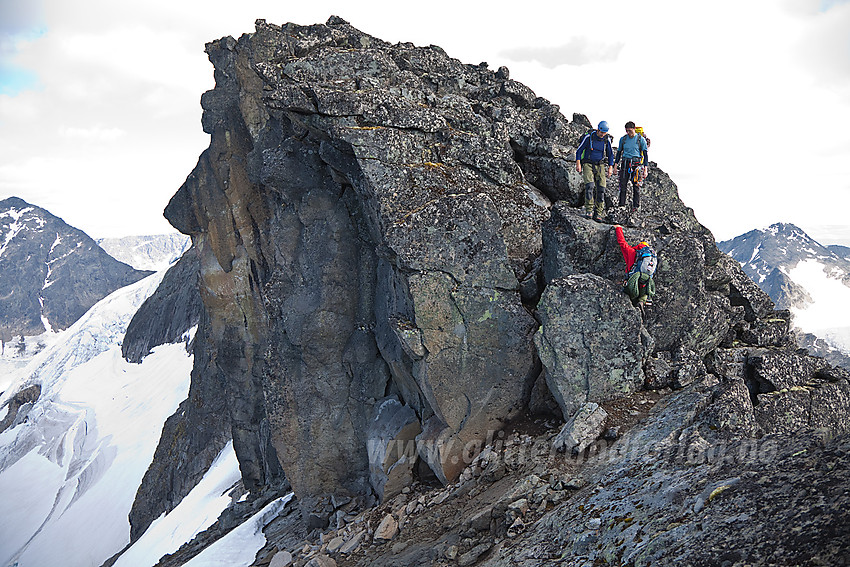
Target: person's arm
[628,251]
[645,151]
[619,153]
[581,148]
[610,152]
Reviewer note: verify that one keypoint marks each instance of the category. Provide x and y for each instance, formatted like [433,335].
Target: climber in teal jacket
[632,153]
[592,152]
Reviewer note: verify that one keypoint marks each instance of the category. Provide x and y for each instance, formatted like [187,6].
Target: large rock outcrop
[377,222]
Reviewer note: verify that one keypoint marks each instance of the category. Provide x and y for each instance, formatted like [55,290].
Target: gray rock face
[50,272]
[392,448]
[362,225]
[19,405]
[376,220]
[589,341]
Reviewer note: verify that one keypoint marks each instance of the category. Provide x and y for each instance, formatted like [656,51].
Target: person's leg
[636,196]
[589,186]
[624,182]
[601,182]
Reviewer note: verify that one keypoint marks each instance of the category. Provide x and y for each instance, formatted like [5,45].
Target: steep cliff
[391,253]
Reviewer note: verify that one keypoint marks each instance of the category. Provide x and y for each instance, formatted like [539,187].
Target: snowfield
[829,314]
[70,471]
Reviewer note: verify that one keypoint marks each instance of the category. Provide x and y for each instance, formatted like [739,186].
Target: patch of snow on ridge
[829,314]
[196,512]
[240,546]
[756,251]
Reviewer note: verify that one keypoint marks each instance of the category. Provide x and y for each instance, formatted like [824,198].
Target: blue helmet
[603,126]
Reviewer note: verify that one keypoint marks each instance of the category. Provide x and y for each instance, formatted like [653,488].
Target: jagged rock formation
[167,315]
[381,226]
[50,273]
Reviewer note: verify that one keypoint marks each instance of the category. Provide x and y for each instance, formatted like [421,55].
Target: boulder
[589,342]
[582,429]
[391,447]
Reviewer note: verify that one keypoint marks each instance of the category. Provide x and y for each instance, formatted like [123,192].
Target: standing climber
[633,150]
[641,262]
[592,152]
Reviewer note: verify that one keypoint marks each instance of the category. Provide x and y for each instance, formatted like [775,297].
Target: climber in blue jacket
[591,155]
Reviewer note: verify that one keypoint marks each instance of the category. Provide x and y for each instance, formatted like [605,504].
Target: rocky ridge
[395,273]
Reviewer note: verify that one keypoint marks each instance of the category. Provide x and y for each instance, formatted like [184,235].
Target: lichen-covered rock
[781,369]
[363,226]
[589,341]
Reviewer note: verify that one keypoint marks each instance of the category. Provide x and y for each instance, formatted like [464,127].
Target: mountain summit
[769,255]
[50,273]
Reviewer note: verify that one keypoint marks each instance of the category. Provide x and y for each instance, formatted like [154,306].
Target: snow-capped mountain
[79,426]
[50,273]
[154,252]
[800,274]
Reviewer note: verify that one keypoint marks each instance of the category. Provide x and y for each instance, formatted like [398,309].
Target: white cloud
[96,133]
[746,103]
[578,51]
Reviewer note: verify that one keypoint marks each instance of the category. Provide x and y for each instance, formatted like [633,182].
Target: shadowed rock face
[378,221]
[363,228]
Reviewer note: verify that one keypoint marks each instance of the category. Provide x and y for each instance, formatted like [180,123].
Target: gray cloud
[17,16]
[579,51]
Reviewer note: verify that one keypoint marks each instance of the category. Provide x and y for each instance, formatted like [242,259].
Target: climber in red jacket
[641,262]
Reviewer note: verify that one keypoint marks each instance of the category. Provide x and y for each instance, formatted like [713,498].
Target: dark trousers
[628,172]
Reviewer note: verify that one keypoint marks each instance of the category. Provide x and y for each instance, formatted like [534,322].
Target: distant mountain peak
[148,252]
[50,272]
[771,258]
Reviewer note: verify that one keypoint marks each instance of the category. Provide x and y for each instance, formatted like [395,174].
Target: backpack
[639,284]
[639,131]
[646,261]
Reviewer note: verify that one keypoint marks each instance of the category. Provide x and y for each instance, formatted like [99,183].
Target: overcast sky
[747,103]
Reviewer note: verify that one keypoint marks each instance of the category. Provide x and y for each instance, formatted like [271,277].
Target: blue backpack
[646,261]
